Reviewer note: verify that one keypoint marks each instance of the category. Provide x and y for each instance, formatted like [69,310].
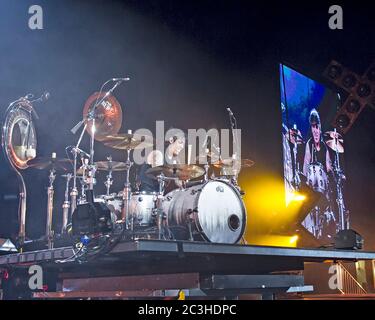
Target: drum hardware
[108,112]
[66,204]
[335,142]
[127,141]
[19,144]
[53,165]
[182,172]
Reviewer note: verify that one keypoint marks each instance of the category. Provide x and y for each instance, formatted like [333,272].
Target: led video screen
[313,152]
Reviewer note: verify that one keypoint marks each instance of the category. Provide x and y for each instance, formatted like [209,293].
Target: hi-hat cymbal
[128,141]
[108,115]
[47,163]
[225,163]
[179,171]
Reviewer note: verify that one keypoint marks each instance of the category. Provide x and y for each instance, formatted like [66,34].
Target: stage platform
[153,268]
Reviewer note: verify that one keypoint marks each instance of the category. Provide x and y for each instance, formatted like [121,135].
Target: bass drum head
[221,213]
[217,212]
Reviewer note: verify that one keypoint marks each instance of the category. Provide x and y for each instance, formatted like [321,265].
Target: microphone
[230,112]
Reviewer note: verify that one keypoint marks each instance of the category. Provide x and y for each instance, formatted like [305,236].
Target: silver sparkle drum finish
[317,178]
[213,211]
[141,207]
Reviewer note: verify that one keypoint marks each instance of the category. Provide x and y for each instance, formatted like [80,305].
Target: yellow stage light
[293,239]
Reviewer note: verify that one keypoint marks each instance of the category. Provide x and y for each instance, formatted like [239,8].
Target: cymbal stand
[74,192]
[66,204]
[159,205]
[125,215]
[50,194]
[296,178]
[343,219]
[108,183]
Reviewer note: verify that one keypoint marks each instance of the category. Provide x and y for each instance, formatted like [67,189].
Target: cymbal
[110,166]
[333,135]
[180,171]
[224,163]
[107,166]
[47,163]
[294,136]
[127,141]
[336,145]
[108,115]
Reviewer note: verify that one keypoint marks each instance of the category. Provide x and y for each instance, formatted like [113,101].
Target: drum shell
[142,206]
[208,208]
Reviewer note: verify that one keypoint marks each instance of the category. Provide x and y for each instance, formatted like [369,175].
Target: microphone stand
[233,125]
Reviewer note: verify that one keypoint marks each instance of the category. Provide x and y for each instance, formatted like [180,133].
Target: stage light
[342,121]
[298,197]
[371,74]
[363,90]
[334,71]
[353,106]
[293,239]
[349,81]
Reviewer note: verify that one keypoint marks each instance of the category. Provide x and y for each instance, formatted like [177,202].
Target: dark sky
[188,61]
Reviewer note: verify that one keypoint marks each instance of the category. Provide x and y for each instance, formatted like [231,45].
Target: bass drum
[213,210]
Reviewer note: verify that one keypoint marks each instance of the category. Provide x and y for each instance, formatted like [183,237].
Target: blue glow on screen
[302,94]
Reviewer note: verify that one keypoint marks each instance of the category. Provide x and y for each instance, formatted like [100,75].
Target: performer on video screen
[316,150]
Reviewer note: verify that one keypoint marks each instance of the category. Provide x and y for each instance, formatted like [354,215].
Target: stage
[153,268]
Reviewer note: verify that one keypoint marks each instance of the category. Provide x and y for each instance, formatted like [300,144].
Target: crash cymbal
[46,163]
[333,135]
[128,141]
[225,163]
[108,115]
[336,145]
[180,171]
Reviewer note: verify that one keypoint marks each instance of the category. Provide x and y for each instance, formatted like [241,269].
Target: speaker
[348,239]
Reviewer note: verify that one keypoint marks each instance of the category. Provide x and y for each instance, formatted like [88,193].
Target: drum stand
[108,183]
[343,220]
[50,194]
[296,177]
[160,214]
[126,196]
[66,204]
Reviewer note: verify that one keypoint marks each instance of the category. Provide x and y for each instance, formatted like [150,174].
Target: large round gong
[19,137]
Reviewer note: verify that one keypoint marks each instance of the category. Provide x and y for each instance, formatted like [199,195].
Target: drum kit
[318,179]
[205,209]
